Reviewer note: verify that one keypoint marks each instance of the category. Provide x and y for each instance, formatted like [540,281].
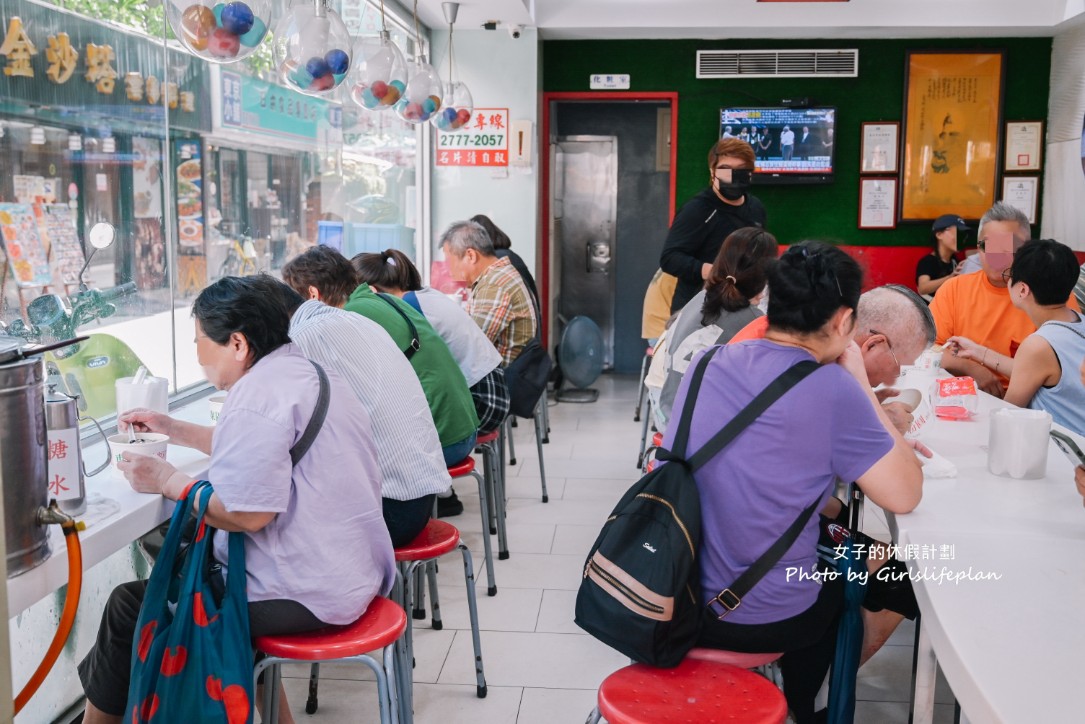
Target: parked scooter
[88,369]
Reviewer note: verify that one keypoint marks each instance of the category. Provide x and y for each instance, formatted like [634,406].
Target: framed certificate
[1021,192]
[952,133]
[1024,145]
[879,146]
[877,203]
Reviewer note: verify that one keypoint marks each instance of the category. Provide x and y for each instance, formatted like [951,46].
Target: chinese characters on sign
[62,60]
[484,141]
[609,81]
[18,49]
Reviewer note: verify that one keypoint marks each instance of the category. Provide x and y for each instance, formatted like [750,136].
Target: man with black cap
[939,266]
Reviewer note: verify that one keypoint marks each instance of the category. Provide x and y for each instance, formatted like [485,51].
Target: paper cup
[215,403]
[153,443]
[151,394]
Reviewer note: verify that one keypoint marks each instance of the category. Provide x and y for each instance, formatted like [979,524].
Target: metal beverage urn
[66,469]
[23,459]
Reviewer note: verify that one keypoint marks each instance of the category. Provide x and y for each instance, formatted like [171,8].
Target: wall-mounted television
[792,145]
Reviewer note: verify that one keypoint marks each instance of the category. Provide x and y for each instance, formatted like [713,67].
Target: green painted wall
[795,212]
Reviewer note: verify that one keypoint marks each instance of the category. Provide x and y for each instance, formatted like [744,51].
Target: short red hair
[732,146]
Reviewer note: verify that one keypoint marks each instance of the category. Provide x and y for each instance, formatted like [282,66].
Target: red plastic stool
[435,540]
[493,470]
[379,628]
[649,454]
[694,691]
[463,469]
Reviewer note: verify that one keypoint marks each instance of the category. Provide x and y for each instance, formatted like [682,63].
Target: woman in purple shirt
[829,427]
[317,550]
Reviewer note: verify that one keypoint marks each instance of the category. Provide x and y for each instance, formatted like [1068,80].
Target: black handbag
[526,377]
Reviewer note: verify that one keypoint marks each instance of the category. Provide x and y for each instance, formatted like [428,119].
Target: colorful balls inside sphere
[252,38]
[379,89]
[428,106]
[223,44]
[337,60]
[392,95]
[323,83]
[318,67]
[238,18]
[217,10]
[197,25]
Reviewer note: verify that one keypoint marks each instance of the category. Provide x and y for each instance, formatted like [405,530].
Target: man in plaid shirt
[500,302]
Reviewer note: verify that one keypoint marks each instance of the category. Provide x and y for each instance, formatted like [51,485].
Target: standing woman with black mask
[702,224]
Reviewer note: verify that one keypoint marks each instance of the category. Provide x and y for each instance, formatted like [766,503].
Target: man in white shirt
[408,449]
[787,142]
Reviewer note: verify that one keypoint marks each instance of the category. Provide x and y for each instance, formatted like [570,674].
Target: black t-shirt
[932,266]
[696,236]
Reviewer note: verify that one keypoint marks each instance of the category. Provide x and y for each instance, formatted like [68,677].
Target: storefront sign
[101,57]
[255,105]
[482,142]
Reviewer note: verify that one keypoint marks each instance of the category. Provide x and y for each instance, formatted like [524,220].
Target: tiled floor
[541,668]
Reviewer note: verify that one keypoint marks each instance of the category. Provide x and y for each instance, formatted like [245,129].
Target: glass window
[204,171]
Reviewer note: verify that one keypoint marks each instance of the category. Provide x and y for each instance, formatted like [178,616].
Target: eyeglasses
[1017,244]
[1007,275]
[889,346]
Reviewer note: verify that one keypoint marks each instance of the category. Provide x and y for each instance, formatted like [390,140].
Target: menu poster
[146,178]
[150,254]
[57,226]
[26,254]
[189,196]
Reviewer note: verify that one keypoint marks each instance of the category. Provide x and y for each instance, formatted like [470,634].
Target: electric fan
[580,357]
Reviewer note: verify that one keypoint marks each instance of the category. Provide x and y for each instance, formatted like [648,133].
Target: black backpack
[641,588]
[526,378]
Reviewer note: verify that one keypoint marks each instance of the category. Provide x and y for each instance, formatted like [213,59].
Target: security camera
[515,31]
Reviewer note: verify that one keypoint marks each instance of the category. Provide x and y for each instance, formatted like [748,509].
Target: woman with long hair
[726,305]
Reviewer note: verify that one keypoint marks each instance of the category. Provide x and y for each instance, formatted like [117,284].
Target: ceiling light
[109,144]
[75,142]
[37,135]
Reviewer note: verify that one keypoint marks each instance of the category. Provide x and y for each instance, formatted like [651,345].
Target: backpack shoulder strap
[729,598]
[415,344]
[681,437]
[776,389]
[316,421]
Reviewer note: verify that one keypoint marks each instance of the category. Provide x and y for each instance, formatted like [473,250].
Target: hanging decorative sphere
[421,98]
[379,75]
[217,31]
[456,108]
[312,52]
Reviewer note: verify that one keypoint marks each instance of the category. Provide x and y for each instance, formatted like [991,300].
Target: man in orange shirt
[977,305]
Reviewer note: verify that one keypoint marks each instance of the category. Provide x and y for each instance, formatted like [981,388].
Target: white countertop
[1011,649]
[116,515]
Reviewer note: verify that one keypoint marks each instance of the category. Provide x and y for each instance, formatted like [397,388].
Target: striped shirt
[408,450]
[501,306]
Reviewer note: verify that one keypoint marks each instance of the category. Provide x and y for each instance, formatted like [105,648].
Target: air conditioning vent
[777,63]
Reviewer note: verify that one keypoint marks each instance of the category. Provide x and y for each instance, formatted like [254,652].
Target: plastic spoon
[140,377]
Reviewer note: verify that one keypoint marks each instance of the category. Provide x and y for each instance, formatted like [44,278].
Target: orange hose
[67,617]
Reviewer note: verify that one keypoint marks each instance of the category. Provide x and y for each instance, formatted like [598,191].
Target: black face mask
[737,187]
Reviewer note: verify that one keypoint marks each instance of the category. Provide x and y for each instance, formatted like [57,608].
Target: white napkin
[936,467]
